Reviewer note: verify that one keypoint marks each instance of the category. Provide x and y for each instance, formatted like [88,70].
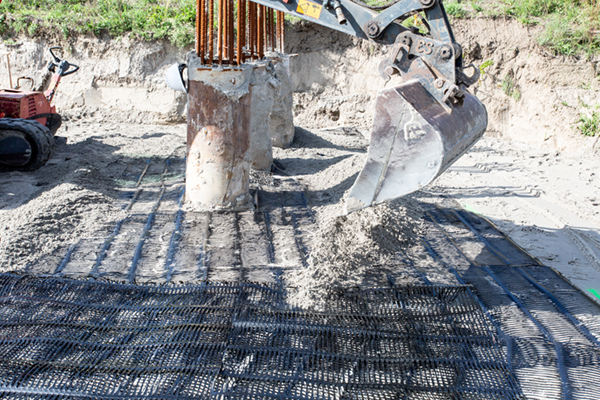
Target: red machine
[28,121]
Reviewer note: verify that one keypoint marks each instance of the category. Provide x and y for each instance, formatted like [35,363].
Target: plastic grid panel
[62,338]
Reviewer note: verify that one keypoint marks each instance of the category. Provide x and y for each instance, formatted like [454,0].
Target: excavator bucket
[413,140]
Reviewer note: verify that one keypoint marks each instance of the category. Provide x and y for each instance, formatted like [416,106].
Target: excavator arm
[438,48]
[424,123]
[358,19]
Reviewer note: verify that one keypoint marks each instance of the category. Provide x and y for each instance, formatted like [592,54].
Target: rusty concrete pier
[227,63]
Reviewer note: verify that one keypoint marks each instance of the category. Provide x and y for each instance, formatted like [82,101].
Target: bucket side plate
[414,139]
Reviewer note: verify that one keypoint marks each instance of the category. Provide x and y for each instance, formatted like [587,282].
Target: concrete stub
[263,90]
[218,137]
[282,115]
[235,116]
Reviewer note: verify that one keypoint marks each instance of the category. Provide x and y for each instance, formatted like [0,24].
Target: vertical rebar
[282,46]
[211,25]
[230,40]
[268,28]
[273,31]
[252,28]
[203,28]
[220,32]
[280,31]
[261,31]
[270,21]
[225,28]
[231,32]
[244,29]
[197,38]
[264,24]
[255,33]
[240,31]
[209,29]
[257,29]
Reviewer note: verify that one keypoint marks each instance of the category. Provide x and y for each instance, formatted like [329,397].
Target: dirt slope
[336,79]
[531,95]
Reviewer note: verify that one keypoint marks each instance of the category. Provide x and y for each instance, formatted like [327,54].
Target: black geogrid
[63,338]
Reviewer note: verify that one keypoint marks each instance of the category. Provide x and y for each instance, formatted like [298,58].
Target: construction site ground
[110,207]
[548,202]
[483,285]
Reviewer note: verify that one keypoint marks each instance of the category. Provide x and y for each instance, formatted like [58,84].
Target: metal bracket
[388,67]
[430,61]
[464,78]
[377,25]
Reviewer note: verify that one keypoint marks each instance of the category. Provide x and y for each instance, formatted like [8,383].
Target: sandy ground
[76,194]
[547,202]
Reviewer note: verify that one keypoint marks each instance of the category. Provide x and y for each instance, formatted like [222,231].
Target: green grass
[573,31]
[476,6]
[173,20]
[484,65]
[569,26]
[589,122]
[455,9]
[510,88]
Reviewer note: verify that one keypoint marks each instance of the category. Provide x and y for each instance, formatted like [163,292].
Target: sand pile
[57,217]
[348,249]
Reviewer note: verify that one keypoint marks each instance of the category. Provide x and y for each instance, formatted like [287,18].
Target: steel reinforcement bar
[243,30]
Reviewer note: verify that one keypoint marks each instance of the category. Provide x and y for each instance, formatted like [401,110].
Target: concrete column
[263,88]
[235,116]
[218,137]
[282,116]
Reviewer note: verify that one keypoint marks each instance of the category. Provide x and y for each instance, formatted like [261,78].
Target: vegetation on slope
[569,26]
[147,19]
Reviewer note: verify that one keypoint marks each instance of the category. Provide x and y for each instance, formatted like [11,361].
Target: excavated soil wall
[531,95]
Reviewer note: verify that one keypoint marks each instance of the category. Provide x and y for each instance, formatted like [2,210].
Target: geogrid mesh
[82,339]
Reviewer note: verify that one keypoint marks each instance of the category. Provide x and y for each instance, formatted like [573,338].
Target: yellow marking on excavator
[309,9]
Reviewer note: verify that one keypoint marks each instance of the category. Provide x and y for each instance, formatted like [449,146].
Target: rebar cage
[233,31]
